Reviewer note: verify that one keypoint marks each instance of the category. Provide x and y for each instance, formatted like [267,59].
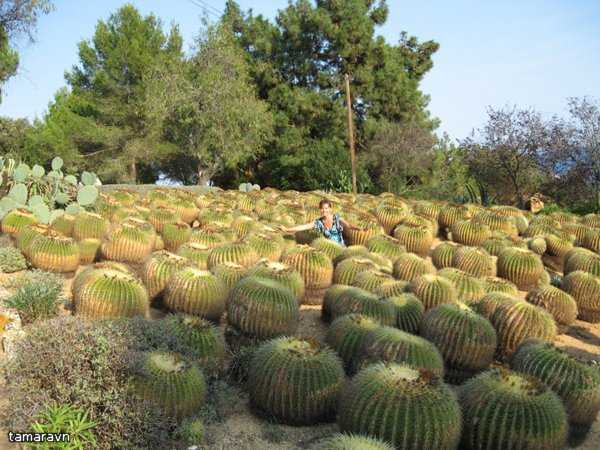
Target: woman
[329,224]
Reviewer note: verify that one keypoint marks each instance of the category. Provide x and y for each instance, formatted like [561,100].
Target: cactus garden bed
[188,319]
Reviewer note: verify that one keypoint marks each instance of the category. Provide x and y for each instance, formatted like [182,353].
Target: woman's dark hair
[324,202]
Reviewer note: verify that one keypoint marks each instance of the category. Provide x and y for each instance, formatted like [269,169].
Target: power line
[207,7]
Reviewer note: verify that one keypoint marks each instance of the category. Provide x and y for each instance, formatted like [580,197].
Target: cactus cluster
[575,382]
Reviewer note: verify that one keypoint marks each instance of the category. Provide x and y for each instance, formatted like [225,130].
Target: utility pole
[350,133]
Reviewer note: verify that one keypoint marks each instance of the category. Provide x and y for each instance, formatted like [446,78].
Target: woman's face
[326,210]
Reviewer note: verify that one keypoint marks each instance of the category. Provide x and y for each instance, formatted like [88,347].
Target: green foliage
[69,420]
[11,260]
[87,363]
[37,300]
[43,194]
[304,85]
[208,108]
[191,431]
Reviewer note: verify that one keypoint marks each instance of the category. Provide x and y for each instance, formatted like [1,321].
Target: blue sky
[532,53]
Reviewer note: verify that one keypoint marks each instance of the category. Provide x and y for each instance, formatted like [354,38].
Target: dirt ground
[230,424]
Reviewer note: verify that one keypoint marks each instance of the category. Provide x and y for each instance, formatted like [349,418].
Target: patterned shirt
[334,233]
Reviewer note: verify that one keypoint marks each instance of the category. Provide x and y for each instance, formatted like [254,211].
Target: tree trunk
[133,172]
[204,175]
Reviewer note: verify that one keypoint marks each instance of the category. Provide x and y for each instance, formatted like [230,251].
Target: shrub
[87,365]
[37,299]
[11,260]
[69,420]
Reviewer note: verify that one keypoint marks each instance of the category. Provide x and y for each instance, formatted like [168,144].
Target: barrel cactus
[167,380]
[591,240]
[515,322]
[210,236]
[89,225]
[433,290]
[497,284]
[474,261]
[331,248]
[352,442]
[585,289]
[367,229]
[443,254]
[331,298]
[158,269]
[346,336]
[385,245]
[262,308]
[359,301]
[237,252]
[556,301]
[175,234]
[466,340]
[497,222]
[582,259]
[391,288]
[410,266]
[161,215]
[451,214]
[109,294]
[315,268]
[522,267]
[202,338]
[389,216]
[133,241]
[417,240]
[519,412]
[370,280]
[346,271]
[229,273]
[409,312]
[296,381]
[88,250]
[575,382]
[196,292]
[470,233]
[399,404]
[25,235]
[468,288]
[490,302]
[16,220]
[266,245]
[557,246]
[387,344]
[281,273]
[197,253]
[53,252]
[94,271]
[64,224]
[352,251]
